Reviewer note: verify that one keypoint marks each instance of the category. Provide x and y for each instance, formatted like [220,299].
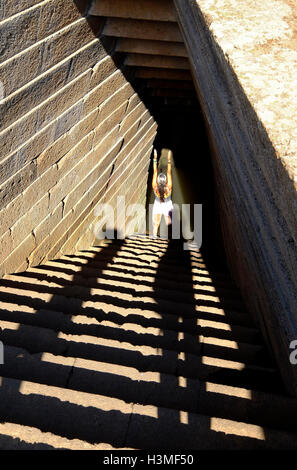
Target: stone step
[71,297]
[149,264]
[175,247]
[142,29]
[97,419]
[83,286]
[166,254]
[92,323]
[141,283]
[128,384]
[38,340]
[14,436]
[163,48]
[138,336]
[160,61]
[142,9]
[78,265]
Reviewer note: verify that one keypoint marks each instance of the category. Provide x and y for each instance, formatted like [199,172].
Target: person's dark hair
[161,182]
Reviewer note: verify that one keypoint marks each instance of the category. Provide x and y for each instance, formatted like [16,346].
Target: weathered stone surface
[5,246]
[104,90]
[114,119]
[18,104]
[68,162]
[10,7]
[125,94]
[18,133]
[251,115]
[18,257]
[132,116]
[45,227]
[12,71]
[102,70]
[39,187]
[55,14]
[44,55]
[26,199]
[24,226]
[65,42]
[55,105]
[17,183]
[23,29]
[121,169]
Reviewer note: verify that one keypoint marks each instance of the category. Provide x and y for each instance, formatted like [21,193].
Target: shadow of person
[177,358]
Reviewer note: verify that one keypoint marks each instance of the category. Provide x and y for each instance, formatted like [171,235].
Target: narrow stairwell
[136,344]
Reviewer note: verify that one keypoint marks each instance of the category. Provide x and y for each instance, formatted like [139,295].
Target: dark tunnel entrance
[181,129]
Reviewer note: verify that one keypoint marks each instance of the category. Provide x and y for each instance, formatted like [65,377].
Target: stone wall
[243,56]
[73,130]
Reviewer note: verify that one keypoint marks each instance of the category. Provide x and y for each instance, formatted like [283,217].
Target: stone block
[20,103]
[105,126]
[10,7]
[11,213]
[71,179]
[18,133]
[39,187]
[23,29]
[133,116]
[119,97]
[56,14]
[48,225]
[17,184]
[96,178]
[12,73]
[77,153]
[104,90]
[65,42]
[69,95]
[5,246]
[68,120]
[134,100]
[102,70]
[21,229]
[120,173]
[19,256]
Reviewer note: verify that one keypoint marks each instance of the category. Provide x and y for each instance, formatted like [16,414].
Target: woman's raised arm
[154,182]
[169,175]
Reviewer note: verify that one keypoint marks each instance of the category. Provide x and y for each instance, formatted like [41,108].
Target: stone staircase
[136,344]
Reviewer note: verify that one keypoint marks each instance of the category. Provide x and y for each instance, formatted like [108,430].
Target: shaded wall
[73,130]
[254,184]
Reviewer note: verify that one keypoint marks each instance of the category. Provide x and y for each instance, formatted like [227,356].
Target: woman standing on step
[162,186]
